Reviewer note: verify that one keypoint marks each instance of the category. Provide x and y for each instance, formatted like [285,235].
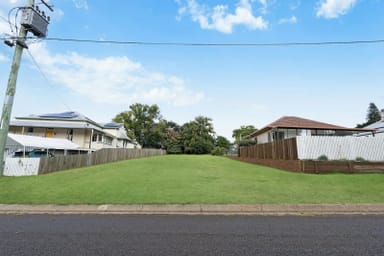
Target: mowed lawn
[189,180]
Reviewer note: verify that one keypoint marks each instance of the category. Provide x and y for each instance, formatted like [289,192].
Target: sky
[233,85]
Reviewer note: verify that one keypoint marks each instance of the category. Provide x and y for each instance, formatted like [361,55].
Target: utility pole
[32,21]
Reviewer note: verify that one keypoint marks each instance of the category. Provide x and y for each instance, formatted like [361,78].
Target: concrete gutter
[199,209]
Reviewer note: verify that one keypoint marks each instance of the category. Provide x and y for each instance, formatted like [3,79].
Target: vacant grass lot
[189,180]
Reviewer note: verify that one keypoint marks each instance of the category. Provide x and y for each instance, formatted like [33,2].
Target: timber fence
[276,150]
[300,154]
[58,163]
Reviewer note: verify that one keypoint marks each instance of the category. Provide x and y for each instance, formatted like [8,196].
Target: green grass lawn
[189,180]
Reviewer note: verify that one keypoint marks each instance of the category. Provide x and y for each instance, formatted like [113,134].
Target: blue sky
[232,85]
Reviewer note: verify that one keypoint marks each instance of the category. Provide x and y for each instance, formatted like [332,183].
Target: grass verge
[189,180]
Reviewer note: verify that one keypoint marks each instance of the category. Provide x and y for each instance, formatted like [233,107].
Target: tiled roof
[298,122]
[294,122]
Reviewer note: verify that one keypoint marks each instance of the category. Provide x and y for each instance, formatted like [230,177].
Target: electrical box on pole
[35,21]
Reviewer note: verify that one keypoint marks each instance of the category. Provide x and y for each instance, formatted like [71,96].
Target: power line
[352,42]
[149,43]
[1,17]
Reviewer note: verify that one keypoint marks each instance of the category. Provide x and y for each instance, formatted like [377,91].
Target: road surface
[190,235]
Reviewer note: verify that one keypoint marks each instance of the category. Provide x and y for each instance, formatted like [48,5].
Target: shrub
[322,158]
[175,149]
[218,151]
[360,159]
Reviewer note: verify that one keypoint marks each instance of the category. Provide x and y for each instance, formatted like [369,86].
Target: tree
[244,130]
[373,115]
[173,141]
[222,146]
[222,142]
[143,123]
[198,136]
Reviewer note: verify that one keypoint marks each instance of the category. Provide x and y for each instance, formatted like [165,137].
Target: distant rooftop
[294,122]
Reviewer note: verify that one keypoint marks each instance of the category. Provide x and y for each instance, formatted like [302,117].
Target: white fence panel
[21,166]
[335,148]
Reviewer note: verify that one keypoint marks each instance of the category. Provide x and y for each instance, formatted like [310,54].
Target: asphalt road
[190,235]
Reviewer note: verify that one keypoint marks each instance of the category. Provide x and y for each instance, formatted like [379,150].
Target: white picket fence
[335,148]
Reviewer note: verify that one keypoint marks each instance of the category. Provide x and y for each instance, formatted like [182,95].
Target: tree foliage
[198,136]
[373,115]
[222,142]
[240,133]
[174,140]
[144,124]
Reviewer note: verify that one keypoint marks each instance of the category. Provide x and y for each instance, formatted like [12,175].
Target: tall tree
[244,130]
[173,141]
[373,115]
[143,123]
[222,142]
[198,136]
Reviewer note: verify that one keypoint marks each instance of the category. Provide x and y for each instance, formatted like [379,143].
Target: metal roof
[377,125]
[40,142]
[45,124]
[64,116]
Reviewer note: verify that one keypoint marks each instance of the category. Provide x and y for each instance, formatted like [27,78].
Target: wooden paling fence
[277,150]
[58,163]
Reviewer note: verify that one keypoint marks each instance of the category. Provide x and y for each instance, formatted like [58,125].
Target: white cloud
[218,18]
[81,4]
[113,79]
[331,9]
[291,20]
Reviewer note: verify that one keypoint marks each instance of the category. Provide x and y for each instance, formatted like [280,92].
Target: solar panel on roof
[112,125]
[67,115]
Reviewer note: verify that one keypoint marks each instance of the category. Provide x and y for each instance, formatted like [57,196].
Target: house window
[30,130]
[97,137]
[108,140]
[291,133]
[278,135]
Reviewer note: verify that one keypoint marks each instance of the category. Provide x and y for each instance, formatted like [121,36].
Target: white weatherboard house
[76,128]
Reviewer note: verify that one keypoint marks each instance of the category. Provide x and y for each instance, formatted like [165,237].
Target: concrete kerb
[199,209]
